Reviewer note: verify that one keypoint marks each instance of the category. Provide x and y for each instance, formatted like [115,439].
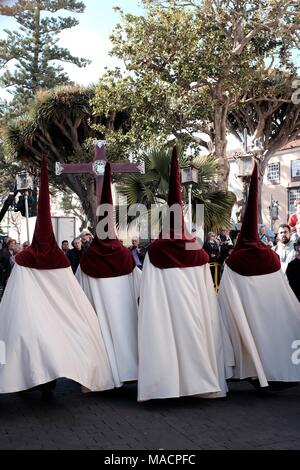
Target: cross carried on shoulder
[97,168]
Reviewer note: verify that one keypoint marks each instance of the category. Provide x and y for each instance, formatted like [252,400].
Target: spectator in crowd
[285,246]
[263,236]
[6,253]
[137,252]
[12,259]
[86,239]
[294,218]
[75,254]
[296,235]
[224,241]
[211,247]
[293,271]
[230,250]
[25,245]
[5,241]
[65,246]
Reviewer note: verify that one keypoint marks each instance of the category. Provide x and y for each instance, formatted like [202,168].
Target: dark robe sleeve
[293,275]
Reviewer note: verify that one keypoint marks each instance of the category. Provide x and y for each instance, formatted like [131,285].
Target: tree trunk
[220,119]
[261,172]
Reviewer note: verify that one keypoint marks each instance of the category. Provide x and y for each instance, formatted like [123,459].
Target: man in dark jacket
[211,247]
[293,271]
[74,255]
[138,253]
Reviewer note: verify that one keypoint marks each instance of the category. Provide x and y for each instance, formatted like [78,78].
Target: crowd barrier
[215,269]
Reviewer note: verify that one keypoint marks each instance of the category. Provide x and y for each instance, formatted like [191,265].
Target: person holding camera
[137,252]
[225,243]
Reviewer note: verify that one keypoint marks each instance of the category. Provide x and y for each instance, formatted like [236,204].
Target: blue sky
[90,39]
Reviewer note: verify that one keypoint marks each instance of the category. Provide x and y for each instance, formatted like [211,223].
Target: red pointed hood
[43,253]
[108,257]
[180,250]
[174,196]
[250,256]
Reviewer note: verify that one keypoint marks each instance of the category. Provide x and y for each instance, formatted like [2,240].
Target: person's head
[77,243]
[11,244]
[86,236]
[211,236]
[284,233]
[65,245]
[223,231]
[25,245]
[262,230]
[135,242]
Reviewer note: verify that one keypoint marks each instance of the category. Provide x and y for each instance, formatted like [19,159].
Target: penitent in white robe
[50,330]
[181,345]
[262,317]
[115,300]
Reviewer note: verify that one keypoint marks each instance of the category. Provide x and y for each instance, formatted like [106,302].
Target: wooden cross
[97,168]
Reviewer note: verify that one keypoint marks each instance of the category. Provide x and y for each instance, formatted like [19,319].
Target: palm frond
[153,186]
[217,208]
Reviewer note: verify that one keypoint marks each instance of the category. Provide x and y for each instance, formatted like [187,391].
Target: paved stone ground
[114,420]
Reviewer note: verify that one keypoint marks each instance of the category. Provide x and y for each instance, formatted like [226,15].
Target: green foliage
[59,124]
[151,188]
[190,63]
[34,48]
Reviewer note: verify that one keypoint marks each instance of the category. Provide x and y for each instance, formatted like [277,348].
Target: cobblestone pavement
[114,420]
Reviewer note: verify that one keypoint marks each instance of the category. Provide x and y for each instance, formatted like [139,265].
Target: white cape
[262,317]
[180,339]
[50,330]
[115,301]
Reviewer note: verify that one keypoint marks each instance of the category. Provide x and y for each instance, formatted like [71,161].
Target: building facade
[281,186]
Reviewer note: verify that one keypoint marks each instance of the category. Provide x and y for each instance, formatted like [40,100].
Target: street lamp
[245,164]
[189,176]
[24,183]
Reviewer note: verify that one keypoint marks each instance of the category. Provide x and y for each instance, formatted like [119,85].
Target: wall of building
[270,190]
[280,191]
